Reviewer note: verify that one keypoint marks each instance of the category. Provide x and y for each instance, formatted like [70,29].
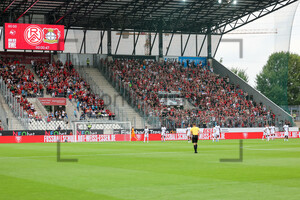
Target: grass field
[134,170]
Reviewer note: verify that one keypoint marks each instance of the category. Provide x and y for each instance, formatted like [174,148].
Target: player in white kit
[163,133]
[188,133]
[286,132]
[267,132]
[273,130]
[217,132]
[146,134]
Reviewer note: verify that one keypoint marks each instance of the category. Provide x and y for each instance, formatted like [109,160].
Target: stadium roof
[185,16]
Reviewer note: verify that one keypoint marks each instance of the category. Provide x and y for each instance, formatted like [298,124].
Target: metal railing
[156,118]
[280,113]
[295,112]
[41,107]
[120,115]
[136,102]
[14,105]
[3,118]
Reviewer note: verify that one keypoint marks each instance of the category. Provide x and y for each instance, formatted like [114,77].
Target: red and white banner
[126,137]
[103,138]
[53,101]
[34,37]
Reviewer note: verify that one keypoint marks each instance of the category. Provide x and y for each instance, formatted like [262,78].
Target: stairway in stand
[13,122]
[136,120]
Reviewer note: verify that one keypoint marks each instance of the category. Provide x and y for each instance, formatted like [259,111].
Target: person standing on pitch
[216,134]
[163,133]
[133,135]
[267,132]
[188,133]
[272,128]
[286,132]
[146,134]
[195,133]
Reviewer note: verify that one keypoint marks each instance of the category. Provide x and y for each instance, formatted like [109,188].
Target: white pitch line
[272,149]
[87,155]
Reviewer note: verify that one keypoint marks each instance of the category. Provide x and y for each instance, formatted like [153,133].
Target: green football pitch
[156,171]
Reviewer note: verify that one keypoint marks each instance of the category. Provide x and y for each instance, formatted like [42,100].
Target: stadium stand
[21,86]
[119,105]
[215,99]
[62,80]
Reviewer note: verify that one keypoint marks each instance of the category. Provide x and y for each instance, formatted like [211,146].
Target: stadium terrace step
[13,122]
[36,77]
[188,105]
[129,113]
[70,111]
[297,123]
[42,124]
[39,109]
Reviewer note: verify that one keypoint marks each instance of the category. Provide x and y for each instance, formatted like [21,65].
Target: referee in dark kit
[195,132]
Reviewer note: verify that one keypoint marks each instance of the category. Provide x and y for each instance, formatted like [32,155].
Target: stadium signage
[27,57]
[61,138]
[34,36]
[120,131]
[53,101]
[58,132]
[35,132]
[153,131]
[126,137]
[196,60]
[171,59]
[178,136]
[89,132]
[23,133]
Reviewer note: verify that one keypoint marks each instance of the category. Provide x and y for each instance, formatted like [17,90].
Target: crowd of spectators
[214,98]
[20,80]
[22,84]
[1,128]
[62,80]
[58,115]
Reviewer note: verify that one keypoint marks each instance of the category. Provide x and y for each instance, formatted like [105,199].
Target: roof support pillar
[196,44]
[84,49]
[118,42]
[83,42]
[109,42]
[168,47]
[200,50]
[219,45]
[152,43]
[160,44]
[209,43]
[135,41]
[186,43]
[149,38]
[101,42]
[133,52]
[181,45]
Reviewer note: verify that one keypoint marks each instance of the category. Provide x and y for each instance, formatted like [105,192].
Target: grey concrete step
[36,107]
[13,122]
[106,87]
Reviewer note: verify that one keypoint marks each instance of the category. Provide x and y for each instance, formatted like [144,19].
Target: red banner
[126,137]
[53,101]
[34,37]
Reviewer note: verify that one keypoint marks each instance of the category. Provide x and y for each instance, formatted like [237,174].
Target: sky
[283,34]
